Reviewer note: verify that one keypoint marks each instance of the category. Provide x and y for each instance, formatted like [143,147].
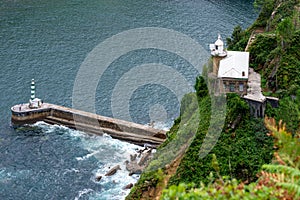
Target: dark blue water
[48,41]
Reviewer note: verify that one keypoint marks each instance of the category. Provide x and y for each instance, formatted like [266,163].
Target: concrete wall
[257,109]
[96,124]
[29,117]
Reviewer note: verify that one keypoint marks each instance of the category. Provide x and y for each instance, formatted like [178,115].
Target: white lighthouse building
[230,68]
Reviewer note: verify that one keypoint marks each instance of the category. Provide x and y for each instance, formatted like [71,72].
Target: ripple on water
[48,41]
[106,152]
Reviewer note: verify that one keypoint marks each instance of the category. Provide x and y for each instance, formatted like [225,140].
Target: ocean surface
[50,41]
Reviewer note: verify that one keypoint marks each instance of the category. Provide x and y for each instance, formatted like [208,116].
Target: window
[231,87]
[241,87]
[243,73]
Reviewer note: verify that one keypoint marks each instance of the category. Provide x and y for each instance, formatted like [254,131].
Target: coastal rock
[98,178]
[145,158]
[141,151]
[129,186]
[133,157]
[113,170]
[133,167]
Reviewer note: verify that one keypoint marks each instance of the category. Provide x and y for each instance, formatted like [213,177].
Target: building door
[241,87]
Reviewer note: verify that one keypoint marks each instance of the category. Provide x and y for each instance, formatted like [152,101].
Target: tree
[201,87]
[235,37]
[262,3]
[285,31]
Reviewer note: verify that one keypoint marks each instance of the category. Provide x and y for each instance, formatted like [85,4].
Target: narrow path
[253,36]
[156,192]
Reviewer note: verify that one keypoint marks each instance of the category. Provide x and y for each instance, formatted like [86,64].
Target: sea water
[49,41]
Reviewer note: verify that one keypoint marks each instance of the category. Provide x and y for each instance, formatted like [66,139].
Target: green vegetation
[285,170]
[264,49]
[229,189]
[288,111]
[241,148]
[266,8]
[238,40]
[280,180]
[274,53]
[179,138]
[240,163]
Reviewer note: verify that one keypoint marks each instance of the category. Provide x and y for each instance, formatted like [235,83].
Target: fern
[285,173]
[292,188]
[289,146]
[283,169]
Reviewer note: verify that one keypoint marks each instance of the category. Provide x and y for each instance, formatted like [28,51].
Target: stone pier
[88,122]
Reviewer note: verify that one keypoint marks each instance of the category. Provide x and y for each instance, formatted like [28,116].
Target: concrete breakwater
[88,122]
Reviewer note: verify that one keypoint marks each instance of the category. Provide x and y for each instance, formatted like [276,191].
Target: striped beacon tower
[32,97]
[34,102]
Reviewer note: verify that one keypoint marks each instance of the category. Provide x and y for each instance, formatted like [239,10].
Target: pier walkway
[88,122]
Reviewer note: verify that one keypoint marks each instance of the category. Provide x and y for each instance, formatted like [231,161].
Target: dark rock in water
[113,170]
[133,167]
[129,186]
[138,171]
[145,158]
[98,178]
[133,157]
[140,151]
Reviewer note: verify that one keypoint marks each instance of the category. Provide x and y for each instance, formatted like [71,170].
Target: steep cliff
[243,146]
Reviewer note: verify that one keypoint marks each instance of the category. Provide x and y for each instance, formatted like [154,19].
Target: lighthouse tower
[32,91]
[34,102]
[218,53]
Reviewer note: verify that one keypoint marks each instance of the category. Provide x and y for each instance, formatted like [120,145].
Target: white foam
[86,156]
[40,123]
[47,127]
[116,183]
[73,170]
[162,125]
[110,152]
[82,192]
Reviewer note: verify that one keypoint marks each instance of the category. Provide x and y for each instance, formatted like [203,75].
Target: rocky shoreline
[135,165]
